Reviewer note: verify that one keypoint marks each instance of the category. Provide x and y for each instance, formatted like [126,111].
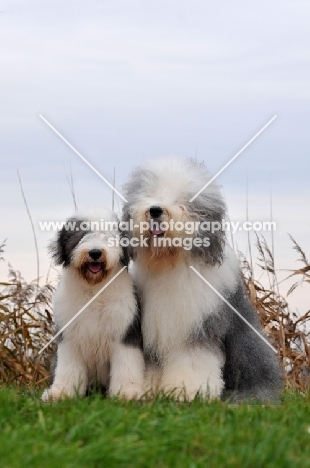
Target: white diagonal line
[234,157]
[233,309]
[83,308]
[82,157]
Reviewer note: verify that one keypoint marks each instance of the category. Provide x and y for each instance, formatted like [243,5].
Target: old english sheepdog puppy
[193,342]
[103,344]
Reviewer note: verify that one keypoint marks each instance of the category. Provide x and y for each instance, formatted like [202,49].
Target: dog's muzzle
[95,254]
[155,213]
[96,265]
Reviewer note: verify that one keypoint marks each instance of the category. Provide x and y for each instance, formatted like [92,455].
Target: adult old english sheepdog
[194,343]
[103,344]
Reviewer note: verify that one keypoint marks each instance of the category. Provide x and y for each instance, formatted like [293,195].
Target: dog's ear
[209,209]
[124,226]
[126,233]
[125,257]
[66,240]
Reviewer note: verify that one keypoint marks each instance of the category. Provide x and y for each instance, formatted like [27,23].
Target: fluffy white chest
[176,301]
[174,304]
[102,323]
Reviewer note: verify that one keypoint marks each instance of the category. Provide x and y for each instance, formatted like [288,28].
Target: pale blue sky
[130,80]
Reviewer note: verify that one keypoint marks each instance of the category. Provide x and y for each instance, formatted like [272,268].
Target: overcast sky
[125,81]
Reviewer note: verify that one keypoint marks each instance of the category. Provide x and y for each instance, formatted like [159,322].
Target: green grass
[98,432]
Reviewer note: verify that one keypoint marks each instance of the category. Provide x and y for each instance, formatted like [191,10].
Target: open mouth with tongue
[94,267]
[157,232]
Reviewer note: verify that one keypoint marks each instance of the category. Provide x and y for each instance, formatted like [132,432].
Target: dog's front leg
[127,372]
[70,375]
[191,372]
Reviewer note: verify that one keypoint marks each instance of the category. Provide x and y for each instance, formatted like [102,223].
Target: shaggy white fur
[193,342]
[103,343]
[175,306]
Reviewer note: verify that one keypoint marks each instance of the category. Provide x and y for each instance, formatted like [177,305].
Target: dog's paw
[188,392]
[130,392]
[179,393]
[54,394]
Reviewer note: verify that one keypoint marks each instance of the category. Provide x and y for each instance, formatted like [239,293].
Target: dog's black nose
[156,211]
[94,254]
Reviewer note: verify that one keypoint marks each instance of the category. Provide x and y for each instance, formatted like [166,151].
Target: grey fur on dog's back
[251,369]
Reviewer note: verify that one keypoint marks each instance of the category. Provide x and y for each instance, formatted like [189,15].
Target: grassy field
[98,432]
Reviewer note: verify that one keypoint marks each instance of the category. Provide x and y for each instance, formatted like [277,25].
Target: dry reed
[288,332]
[26,324]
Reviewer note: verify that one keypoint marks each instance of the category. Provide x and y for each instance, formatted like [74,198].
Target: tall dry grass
[289,333]
[26,322]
